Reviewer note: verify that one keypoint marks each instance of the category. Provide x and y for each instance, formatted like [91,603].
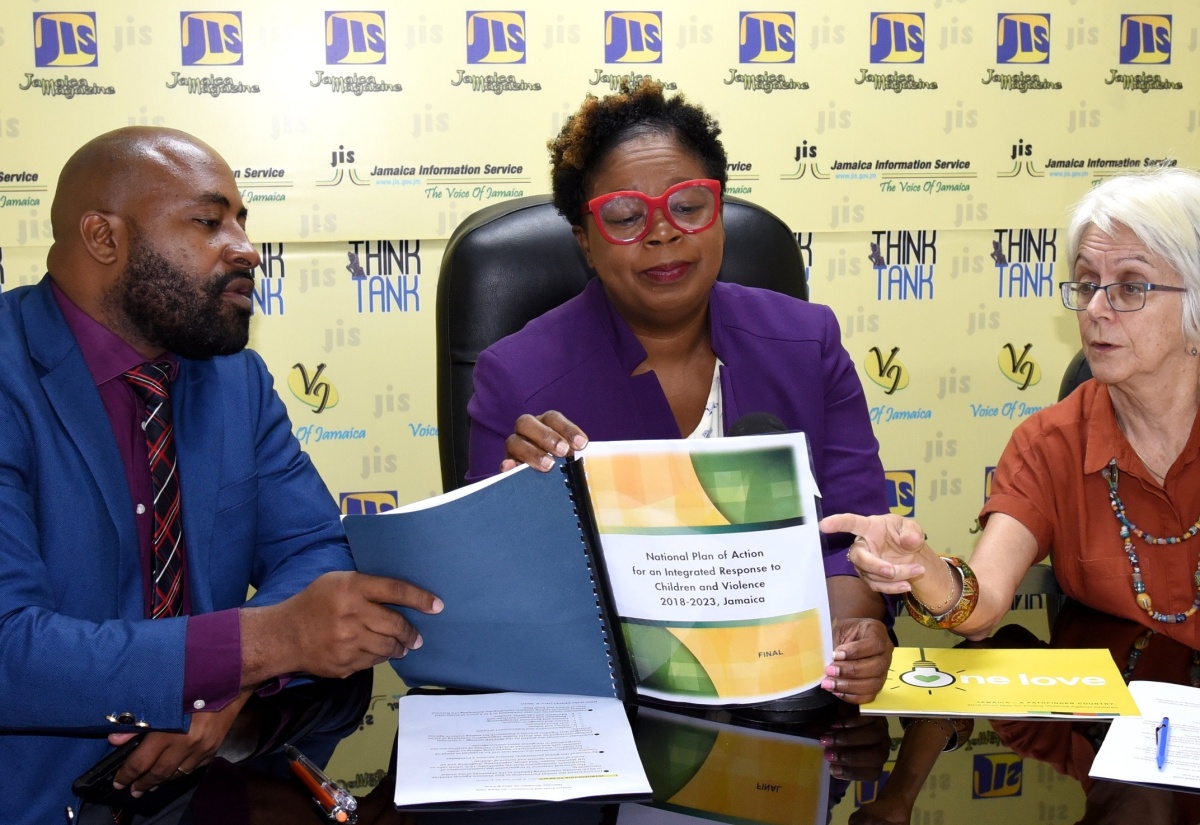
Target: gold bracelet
[960,610]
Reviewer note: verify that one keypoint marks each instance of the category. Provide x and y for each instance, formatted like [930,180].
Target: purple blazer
[781,356]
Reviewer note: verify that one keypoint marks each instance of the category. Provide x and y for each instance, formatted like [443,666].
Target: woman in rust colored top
[1107,481]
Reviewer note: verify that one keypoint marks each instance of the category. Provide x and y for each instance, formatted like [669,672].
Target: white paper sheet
[1129,752]
[498,746]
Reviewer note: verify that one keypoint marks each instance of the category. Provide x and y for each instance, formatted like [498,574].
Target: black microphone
[757,423]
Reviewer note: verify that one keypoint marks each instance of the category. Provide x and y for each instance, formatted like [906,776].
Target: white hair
[1161,207]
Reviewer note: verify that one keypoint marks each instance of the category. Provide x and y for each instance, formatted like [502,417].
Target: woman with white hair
[1107,481]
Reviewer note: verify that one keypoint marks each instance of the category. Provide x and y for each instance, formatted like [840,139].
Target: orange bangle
[960,610]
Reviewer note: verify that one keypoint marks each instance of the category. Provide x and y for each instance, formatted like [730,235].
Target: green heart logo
[926,678]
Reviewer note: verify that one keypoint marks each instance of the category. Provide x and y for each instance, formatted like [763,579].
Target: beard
[167,307]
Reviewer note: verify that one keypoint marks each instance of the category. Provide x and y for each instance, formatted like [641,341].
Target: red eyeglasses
[624,217]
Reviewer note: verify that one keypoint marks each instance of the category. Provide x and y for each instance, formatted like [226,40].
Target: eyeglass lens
[688,209]
[1124,297]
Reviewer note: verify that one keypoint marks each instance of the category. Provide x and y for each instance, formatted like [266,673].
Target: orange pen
[334,801]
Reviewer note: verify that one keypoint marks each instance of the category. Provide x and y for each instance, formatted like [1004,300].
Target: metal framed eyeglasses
[1123,296]
[625,217]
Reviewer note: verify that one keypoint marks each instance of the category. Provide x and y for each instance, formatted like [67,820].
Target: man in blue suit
[151,264]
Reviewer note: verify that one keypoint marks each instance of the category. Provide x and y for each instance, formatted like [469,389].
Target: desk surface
[1006,772]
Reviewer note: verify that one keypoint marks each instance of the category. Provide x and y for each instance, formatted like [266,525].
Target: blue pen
[1160,736]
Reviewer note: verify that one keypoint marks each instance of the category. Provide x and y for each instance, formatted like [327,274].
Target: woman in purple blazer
[655,347]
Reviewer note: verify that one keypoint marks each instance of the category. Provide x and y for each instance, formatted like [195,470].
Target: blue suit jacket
[74,643]
[781,356]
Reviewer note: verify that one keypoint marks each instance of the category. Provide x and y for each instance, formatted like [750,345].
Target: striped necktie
[151,382]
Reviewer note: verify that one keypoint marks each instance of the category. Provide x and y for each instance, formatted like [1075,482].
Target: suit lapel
[72,394]
[199,442]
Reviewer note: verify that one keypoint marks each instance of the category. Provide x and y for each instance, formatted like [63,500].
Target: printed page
[713,556]
[1130,750]
[996,682]
[504,746]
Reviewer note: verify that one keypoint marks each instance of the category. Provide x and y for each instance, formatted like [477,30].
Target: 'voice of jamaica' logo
[311,389]
[633,37]
[495,37]
[886,370]
[1020,368]
[355,38]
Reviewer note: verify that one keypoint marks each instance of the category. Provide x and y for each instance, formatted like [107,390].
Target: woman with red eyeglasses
[656,347]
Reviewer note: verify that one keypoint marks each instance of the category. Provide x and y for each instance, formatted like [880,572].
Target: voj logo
[311,389]
[211,38]
[1145,38]
[64,38]
[996,775]
[897,37]
[354,38]
[369,502]
[633,37]
[901,491]
[495,37]
[767,37]
[1023,39]
[1018,366]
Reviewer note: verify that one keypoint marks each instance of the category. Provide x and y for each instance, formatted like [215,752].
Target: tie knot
[150,381]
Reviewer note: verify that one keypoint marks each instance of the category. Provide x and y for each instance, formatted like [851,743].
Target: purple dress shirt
[780,356]
[213,651]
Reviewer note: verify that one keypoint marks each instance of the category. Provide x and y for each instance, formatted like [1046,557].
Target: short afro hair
[602,124]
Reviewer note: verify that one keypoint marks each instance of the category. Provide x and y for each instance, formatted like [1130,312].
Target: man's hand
[336,626]
[862,653]
[164,756]
[538,440]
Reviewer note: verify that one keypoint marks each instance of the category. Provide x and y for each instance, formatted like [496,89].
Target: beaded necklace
[1135,653]
[1128,531]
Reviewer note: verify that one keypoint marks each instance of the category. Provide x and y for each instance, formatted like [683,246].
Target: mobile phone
[95,785]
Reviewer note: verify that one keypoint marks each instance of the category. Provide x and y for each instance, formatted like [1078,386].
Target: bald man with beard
[151,265]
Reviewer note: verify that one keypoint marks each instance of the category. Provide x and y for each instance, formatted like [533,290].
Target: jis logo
[495,37]
[996,775]
[1022,38]
[989,475]
[901,491]
[897,37]
[633,37]
[1145,38]
[369,503]
[211,38]
[354,38]
[767,37]
[64,39]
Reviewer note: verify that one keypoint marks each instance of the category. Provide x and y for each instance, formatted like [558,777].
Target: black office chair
[1075,374]
[1039,583]
[507,264]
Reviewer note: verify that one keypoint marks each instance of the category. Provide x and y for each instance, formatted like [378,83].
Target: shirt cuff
[212,661]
